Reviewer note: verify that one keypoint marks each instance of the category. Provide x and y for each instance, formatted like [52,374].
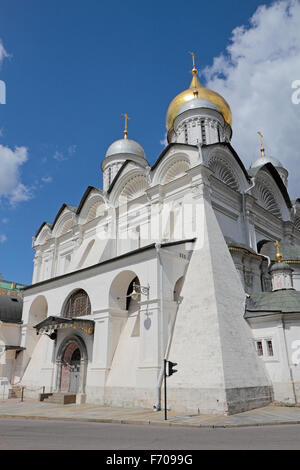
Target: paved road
[48,435]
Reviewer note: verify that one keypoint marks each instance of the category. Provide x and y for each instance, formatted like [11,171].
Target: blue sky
[71,68]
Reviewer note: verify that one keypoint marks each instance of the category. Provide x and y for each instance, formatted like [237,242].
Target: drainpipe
[157,406]
[200,154]
[244,210]
[269,263]
[288,360]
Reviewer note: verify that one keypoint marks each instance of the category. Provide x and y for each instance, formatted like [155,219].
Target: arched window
[77,305]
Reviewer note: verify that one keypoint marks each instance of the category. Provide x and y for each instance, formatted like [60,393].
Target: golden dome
[197,90]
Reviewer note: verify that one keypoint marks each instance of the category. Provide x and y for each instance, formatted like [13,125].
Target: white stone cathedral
[175,261]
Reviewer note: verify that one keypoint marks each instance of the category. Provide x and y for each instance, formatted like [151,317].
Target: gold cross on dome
[261,143]
[194,71]
[278,254]
[193,56]
[125,130]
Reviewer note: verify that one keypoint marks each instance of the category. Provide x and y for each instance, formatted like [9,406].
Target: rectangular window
[259,348]
[270,348]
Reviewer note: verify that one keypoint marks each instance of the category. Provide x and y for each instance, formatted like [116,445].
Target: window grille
[270,348]
[78,305]
[259,348]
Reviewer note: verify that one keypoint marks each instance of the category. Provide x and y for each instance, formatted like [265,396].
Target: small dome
[263,160]
[280,267]
[197,103]
[125,146]
[10,309]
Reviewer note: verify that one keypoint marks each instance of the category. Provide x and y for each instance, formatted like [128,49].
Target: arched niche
[134,188]
[119,289]
[223,170]
[64,224]
[93,207]
[38,310]
[177,289]
[43,236]
[176,170]
[227,168]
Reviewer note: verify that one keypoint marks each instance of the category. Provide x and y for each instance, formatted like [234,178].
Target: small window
[259,348]
[203,131]
[270,348]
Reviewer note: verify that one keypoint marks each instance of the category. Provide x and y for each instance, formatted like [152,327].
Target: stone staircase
[59,398]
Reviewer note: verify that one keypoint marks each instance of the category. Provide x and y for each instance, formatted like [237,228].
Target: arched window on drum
[78,305]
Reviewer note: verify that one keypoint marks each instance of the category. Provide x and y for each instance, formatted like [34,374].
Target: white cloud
[164,141]
[20,193]
[47,179]
[3,53]
[255,76]
[3,238]
[72,149]
[11,186]
[60,156]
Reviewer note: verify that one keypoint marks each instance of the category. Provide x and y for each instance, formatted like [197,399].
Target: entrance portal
[70,369]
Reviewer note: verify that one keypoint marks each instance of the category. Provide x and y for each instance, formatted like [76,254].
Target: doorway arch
[71,363]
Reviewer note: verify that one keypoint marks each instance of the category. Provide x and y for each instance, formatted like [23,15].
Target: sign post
[167,373]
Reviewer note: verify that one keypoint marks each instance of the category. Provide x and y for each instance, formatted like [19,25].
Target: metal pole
[165,387]
[22,394]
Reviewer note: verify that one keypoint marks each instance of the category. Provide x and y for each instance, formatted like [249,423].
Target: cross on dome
[261,144]
[125,130]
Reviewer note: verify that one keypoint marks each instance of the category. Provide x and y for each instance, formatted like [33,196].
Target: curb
[151,423]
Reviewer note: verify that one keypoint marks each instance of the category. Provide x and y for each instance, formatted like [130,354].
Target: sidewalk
[32,409]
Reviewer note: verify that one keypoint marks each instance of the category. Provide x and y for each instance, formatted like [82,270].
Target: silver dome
[263,160]
[197,103]
[126,146]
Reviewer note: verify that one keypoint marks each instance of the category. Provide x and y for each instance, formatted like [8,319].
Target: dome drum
[199,125]
[117,154]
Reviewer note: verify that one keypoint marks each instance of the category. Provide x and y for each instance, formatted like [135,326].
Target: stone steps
[15,391]
[59,398]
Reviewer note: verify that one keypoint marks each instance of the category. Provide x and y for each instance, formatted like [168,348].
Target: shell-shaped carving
[66,227]
[175,171]
[44,237]
[266,199]
[297,223]
[133,189]
[95,210]
[223,172]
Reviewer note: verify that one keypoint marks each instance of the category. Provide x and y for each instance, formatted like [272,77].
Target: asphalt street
[35,434]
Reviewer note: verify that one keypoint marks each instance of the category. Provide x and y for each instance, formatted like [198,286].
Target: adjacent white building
[169,261]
